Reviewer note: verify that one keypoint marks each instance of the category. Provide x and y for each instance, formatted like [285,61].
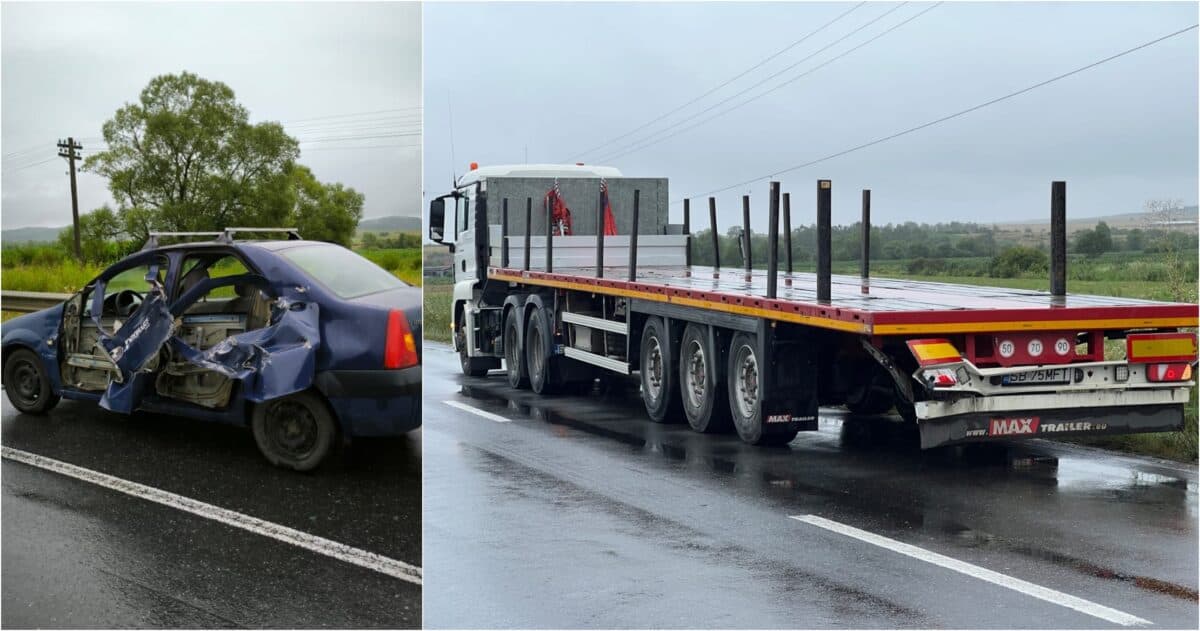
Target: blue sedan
[305,342]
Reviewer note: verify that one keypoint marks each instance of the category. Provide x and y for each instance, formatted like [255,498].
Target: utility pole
[70,151]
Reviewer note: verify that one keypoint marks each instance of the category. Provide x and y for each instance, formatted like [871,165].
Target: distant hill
[1117,221]
[33,234]
[36,234]
[394,223]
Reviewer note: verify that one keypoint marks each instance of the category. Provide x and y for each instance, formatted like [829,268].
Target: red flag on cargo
[610,224]
[560,215]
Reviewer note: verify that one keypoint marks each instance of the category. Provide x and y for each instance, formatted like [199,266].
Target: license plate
[1038,377]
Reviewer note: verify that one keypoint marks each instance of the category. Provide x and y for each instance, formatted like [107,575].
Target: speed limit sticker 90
[1062,346]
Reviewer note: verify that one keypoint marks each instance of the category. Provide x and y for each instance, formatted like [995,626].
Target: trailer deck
[878,306]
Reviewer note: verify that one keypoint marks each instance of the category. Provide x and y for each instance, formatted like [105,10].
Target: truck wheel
[514,358]
[659,390]
[26,383]
[744,379]
[873,396]
[538,346]
[294,432]
[703,397]
[471,366]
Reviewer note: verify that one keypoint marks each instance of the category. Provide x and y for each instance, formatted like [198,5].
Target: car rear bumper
[374,402]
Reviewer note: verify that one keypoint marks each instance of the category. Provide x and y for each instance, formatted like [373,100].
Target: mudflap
[790,383]
[982,427]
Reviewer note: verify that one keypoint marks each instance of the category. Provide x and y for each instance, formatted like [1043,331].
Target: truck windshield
[341,271]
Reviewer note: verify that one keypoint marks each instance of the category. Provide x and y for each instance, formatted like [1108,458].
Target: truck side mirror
[437,219]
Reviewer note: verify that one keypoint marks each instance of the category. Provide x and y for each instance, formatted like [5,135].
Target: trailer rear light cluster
[1150,348]
[941,377]
[400,349]
[1168,372]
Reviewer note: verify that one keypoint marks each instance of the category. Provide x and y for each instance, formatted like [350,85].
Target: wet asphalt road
[80,555]
[579,512]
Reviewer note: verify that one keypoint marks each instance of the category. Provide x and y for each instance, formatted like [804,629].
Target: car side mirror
[437,219]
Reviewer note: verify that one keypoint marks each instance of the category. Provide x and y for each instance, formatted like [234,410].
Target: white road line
[300,539]
[478,412]
[1030,589]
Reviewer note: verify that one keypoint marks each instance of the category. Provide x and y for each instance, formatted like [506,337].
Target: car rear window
[341,271]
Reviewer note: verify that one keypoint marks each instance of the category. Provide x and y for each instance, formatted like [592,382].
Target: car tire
[297,431]
[514,353]
[660,388]
[744,379]
[538,352]
[25,383]
[703,396]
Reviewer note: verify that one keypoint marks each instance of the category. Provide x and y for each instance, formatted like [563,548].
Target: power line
[954,115]
[316,118]
[723,84]
[399,146]
[28,166]
[396,135]
[650,140]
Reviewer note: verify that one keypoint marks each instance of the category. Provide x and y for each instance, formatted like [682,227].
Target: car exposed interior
[220,313]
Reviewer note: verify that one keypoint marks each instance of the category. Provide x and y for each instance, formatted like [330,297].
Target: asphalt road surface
[77,553]
[577,511]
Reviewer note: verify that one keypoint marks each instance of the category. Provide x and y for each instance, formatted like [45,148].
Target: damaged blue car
[307,343]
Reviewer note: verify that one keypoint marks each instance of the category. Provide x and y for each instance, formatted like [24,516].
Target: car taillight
[1168,372]
[400,350]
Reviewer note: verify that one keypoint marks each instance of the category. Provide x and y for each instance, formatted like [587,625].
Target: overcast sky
[562,78]
[354,67]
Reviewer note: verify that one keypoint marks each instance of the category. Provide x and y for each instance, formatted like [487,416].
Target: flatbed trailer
[758,350]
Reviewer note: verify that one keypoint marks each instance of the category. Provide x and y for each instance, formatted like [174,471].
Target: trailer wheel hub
[654,369]
[697,375]
[746,382]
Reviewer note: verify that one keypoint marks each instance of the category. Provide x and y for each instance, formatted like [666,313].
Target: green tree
[1093,242]
[186,157]
[97,230]
[1019,260]
[1135,240]
[324,212]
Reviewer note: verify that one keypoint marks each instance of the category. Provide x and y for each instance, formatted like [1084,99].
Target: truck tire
[471,366]
[703,397]
[873,395]
[660,391]
[744,380]
[514,355]
[25,383]
[539,345]
[294,432]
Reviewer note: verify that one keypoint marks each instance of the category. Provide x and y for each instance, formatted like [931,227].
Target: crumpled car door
[273,361]
[131,347]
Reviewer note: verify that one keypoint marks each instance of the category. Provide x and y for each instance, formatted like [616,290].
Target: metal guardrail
[29,301]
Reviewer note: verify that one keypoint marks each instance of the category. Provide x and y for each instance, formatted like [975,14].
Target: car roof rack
[225,236]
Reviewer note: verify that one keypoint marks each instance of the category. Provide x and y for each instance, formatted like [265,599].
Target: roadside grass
[404,263]
[437,311]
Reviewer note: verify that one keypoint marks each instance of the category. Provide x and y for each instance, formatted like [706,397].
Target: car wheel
[514,357]
[295,432]
[703,395]
[659,390]
[538,348]
[26,384]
